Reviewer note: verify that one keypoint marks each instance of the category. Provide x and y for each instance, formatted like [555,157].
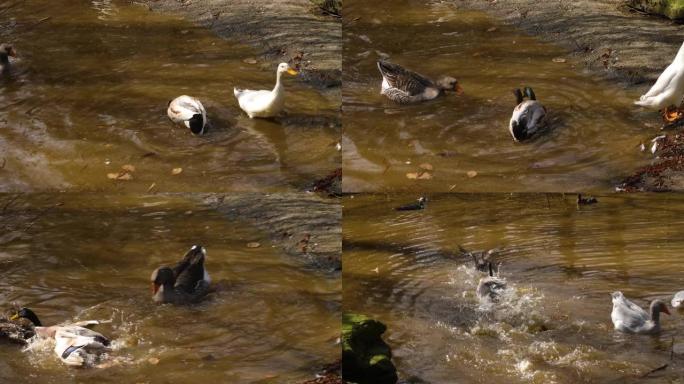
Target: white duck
[629,317]
[75,344]
[668,90]
[678,299]
[188,111]
[264,103]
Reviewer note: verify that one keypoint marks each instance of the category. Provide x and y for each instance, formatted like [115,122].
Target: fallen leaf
[427,166]
[412,175]
[151,187]
[425,176]
[128,168]
[558,60]
[176,171]
[253,244]
[492,29]
[120,176]
[153,360]
[250,60]
[472,174]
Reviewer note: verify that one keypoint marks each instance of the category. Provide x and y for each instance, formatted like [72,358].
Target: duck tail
[530,93]
[518,96]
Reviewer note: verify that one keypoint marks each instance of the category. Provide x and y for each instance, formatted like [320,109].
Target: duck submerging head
[449,83]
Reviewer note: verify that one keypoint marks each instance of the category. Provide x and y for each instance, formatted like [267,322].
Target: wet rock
[672,9]
[365,356]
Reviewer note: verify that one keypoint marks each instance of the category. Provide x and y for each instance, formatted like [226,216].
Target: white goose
[264,103]
[75,344]
[188,111]
[668,90]
[629,317]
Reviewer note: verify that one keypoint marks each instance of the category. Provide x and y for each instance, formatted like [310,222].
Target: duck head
[7,50]
[449,83]
[162,277]
[285,67]
[28,314]
[658,306]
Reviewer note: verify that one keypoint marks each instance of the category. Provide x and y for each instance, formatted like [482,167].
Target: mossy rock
[672,9]
[366,358]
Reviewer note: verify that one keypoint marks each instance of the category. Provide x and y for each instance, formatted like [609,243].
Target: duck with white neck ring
[264,103]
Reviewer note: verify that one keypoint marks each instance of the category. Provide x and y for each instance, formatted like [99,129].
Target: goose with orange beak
[264,103]
[186,282]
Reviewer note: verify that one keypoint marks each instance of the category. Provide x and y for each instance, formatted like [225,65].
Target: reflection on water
[596,129]
[561,264]
[91,258]
[90,91]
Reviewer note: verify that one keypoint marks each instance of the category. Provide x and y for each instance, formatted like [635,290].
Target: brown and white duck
[403,86]
[75,344]
[187,282]
[528,115]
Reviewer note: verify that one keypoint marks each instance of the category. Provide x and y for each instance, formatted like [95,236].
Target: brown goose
[404,87]
[6,50]
[186,282]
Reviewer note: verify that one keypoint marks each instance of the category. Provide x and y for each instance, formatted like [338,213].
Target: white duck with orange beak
[264,103]
[667,92]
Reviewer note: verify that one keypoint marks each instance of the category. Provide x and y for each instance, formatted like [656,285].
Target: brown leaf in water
[412,175]
[427,166]
[471,174]
[120,176]
[153,360]
[253,244]
[128,168]
[425,176]
[250,60]
[558,60]
[176,171]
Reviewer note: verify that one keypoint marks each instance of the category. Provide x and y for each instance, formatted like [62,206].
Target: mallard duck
[629,317]
[528,115]
[6,50]
[404,86]
[481,259]
[421,204]
[678,299]
[264,103]
[667,92]
[490,287]
[187,282]
[75,344]
[16,331]
[188,111]
[581,200]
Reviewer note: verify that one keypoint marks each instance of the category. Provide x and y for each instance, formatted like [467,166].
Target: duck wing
[398,77]
[190,270]
[627,313]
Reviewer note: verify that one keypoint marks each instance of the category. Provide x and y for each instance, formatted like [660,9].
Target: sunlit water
[91,258]
[591,142]
[561,264]
[89,94]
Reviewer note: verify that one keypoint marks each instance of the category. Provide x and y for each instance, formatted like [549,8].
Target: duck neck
[34,319]
[278,84]
[4,58]
[655,314]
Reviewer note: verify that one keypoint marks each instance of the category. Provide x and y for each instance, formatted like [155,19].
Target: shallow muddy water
[561,264]
[594,129]
[89,93]
[91,258]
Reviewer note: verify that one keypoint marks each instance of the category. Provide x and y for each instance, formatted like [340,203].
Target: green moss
[673,9]
[366,358]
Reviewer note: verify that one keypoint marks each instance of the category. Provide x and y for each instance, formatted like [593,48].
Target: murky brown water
[91,258]
[554,325]
[89,95]
[595,128]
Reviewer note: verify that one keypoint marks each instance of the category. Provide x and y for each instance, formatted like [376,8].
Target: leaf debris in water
[177,171]
[253,244]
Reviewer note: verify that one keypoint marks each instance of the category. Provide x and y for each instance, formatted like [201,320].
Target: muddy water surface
[591,143]
[91,258]
[89,95]
[561,262]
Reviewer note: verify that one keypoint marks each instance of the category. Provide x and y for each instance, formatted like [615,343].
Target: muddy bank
[613,41]
[283,30]
[305,225]
[607,36]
